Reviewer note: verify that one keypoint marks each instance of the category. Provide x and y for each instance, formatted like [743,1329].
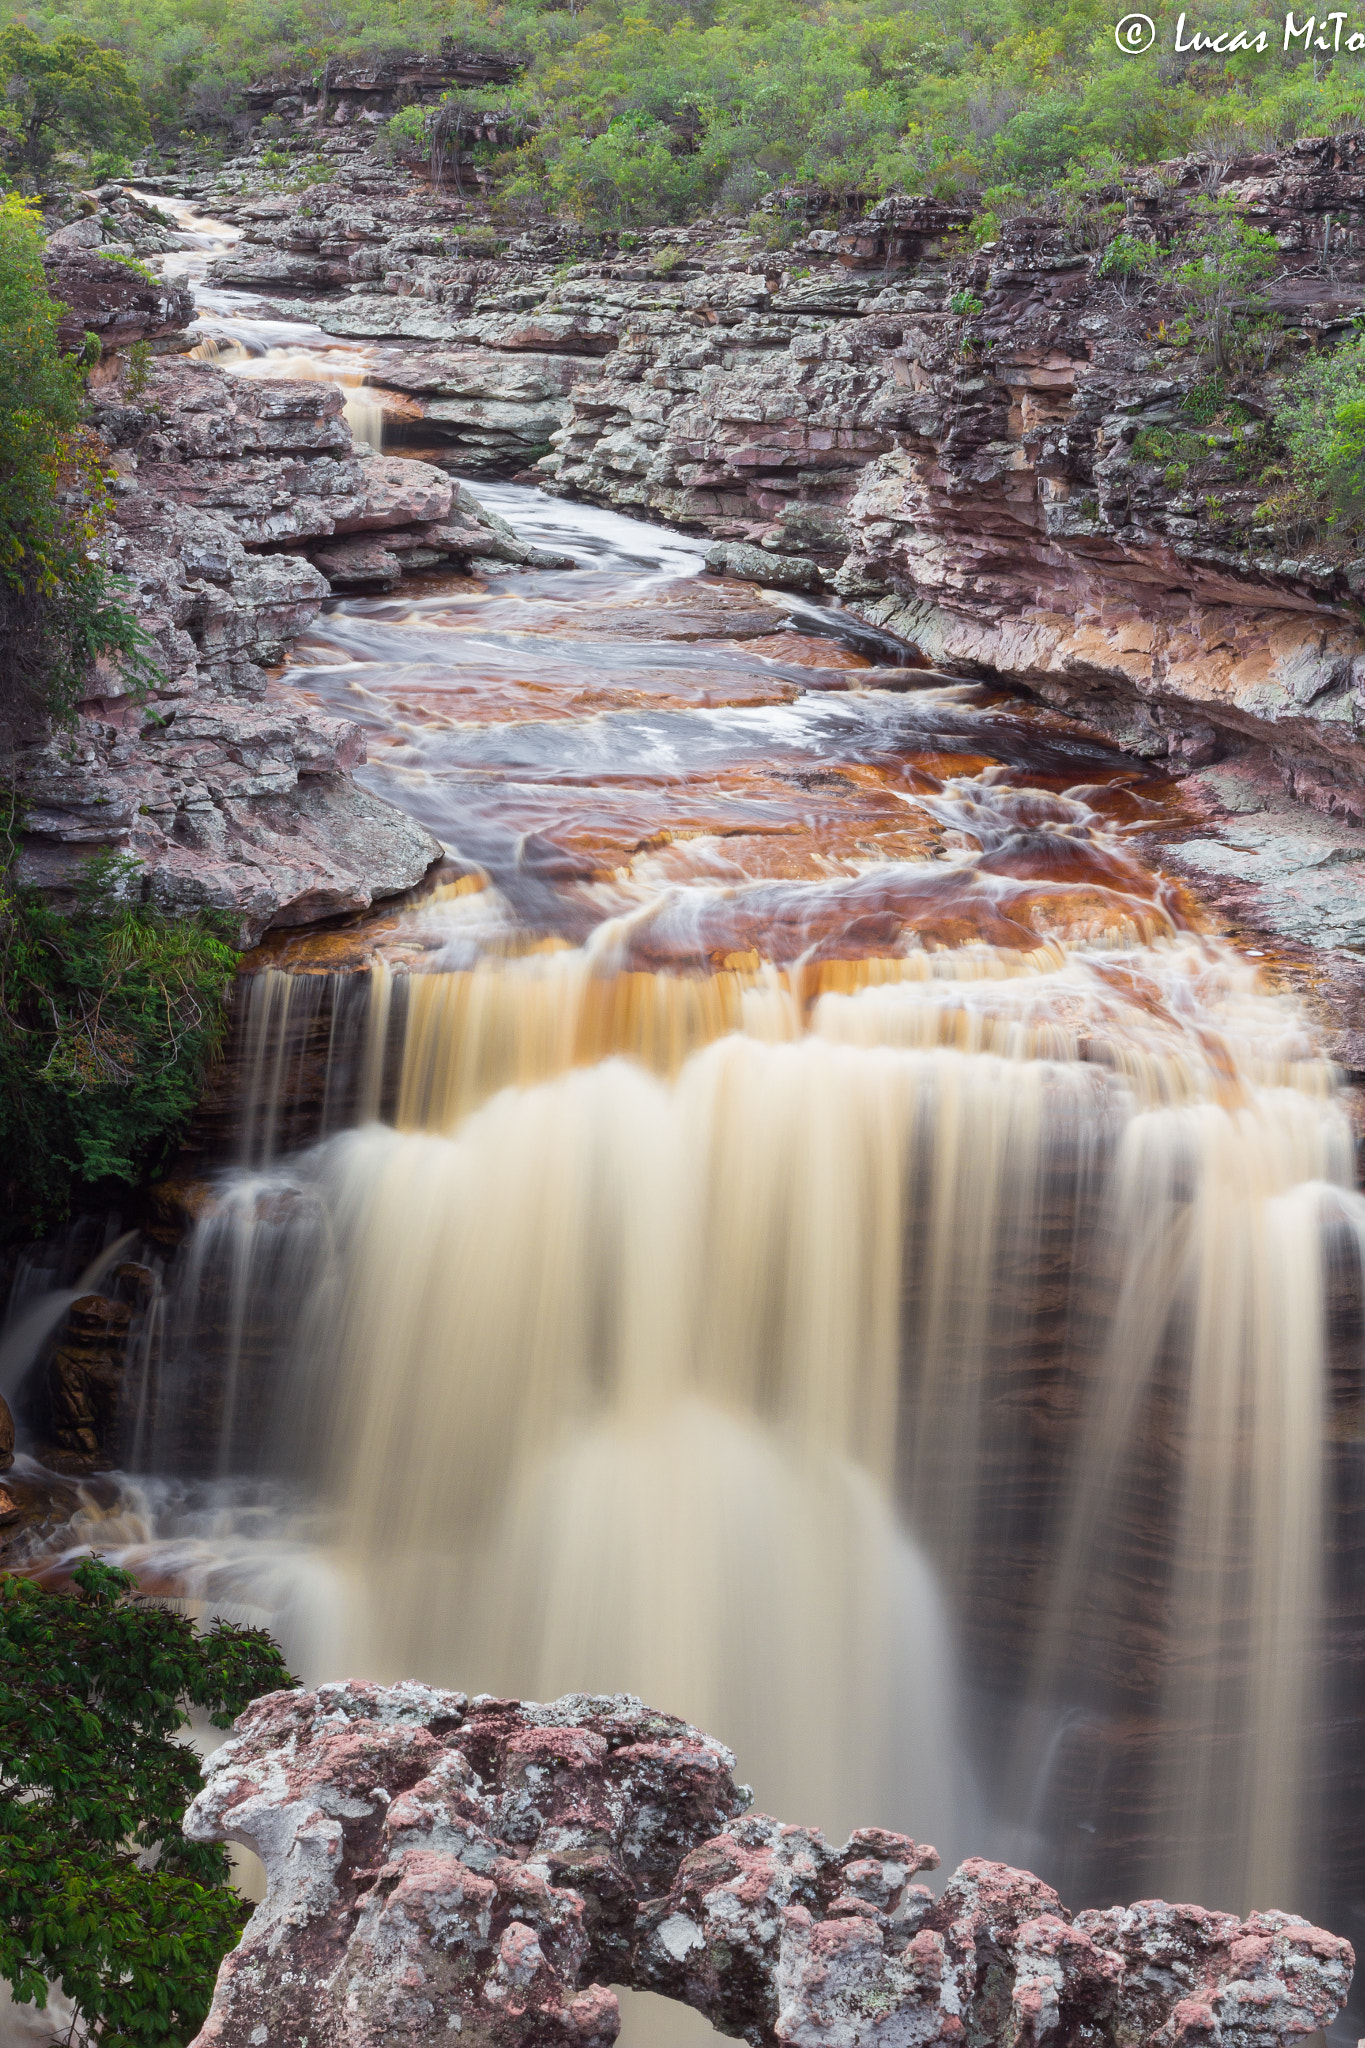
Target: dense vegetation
[108,1017]
[60,609]
[98,1885]
[649,111]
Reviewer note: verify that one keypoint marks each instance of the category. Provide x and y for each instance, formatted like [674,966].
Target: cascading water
[234,335]
[619,1348]
[800,1222]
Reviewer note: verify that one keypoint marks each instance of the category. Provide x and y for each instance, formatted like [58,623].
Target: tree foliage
[98,1885]
[649,111]
[1320,419]
[108,1018]
[60,609]
[68,91]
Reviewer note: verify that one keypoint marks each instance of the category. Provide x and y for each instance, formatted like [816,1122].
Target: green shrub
[98,1884]
[1129,256]
[1320,418]
[406,132]
[1173,450]
[63,92]
[108,1018]
[139,368]
[966,304]
[1206,400]
[129,262]
[1221,281]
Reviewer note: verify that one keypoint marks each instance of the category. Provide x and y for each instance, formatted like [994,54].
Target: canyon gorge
[787,1140]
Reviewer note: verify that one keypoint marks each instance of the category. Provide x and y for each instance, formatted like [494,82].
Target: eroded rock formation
[487,1869]
[966,478]
[239,507]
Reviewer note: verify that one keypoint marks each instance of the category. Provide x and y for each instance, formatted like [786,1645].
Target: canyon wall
[238,506]
[954,443]
[488,1868]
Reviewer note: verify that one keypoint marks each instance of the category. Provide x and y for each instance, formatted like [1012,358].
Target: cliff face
[488,1868]
[1018,522]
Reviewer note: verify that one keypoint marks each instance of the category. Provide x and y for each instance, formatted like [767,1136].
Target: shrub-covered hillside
[653,110]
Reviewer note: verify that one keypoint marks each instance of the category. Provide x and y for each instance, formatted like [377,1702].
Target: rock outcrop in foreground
[440,1867]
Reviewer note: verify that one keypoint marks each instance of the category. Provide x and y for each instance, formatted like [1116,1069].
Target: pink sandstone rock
[485,1869]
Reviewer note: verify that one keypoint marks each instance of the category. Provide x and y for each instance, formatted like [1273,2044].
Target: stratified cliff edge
[226,787]
[484,1869]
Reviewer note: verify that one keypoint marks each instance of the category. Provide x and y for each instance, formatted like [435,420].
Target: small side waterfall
[363,412]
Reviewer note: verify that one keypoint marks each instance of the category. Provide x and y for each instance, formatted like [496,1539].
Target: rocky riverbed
[819,412]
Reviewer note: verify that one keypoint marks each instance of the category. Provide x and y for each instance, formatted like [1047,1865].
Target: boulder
[756,565]
[487,1868]
[107,291]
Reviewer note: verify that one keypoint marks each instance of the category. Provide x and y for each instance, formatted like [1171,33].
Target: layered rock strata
[438,1866]
[944,438]
[964,446]
[239,507]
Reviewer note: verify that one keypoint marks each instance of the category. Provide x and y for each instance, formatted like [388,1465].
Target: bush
[60,609]
[1129,256]
[98,1885]
[406,133]
[130,262]
[1320,418]
[66,91]
[108,1018]
[1220,282]
[1170,448]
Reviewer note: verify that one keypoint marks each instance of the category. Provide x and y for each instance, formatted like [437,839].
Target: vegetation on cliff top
[98,1884]
[652,110]
[60,609]
[66,92]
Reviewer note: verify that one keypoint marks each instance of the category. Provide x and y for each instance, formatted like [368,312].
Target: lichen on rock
[488,1868]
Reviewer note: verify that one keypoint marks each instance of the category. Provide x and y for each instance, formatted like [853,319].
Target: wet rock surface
[971,481]
[825,413]
[439,1866]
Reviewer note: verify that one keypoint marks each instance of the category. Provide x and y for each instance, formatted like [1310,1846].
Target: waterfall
[342,367]
[719,1337]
